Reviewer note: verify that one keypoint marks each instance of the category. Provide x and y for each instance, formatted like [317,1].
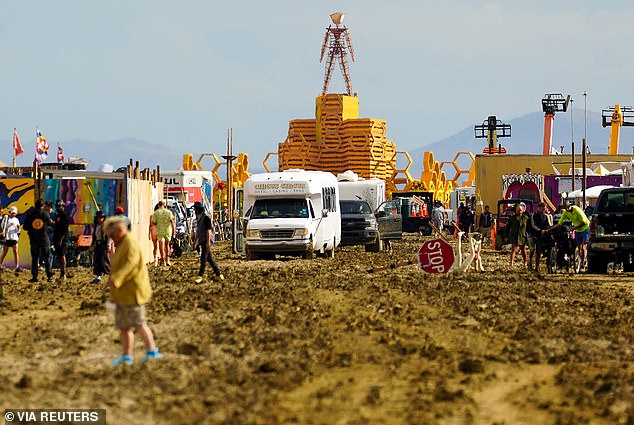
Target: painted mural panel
[18,193]
[82,196]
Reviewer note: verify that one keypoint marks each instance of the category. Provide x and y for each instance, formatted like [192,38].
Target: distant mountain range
[114,152]
[527,137]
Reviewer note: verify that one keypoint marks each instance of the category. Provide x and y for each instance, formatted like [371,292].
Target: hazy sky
[179,73]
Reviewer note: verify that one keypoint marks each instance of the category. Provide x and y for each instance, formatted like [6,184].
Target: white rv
[291,212]
[353,187]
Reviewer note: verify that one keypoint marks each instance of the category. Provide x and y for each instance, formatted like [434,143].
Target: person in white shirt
[12,235]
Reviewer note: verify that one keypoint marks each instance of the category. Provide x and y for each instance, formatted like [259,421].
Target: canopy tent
[601,170]
[591,192]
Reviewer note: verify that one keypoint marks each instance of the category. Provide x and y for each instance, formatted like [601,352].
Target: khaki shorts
[129,316]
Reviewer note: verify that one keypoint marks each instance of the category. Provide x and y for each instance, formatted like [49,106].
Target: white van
[291,212]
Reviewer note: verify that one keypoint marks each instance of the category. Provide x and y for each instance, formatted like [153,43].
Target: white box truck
[293,212]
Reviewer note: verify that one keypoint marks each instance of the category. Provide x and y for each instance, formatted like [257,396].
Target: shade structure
[591,192]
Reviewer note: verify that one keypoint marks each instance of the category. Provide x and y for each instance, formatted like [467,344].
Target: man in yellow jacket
[131,290]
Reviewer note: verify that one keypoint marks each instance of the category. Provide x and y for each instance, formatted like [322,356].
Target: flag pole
[14,161]
[57,153]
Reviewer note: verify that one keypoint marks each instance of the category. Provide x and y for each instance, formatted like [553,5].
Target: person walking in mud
[36,224]
[204,239]
[10,233]
[485,223]
[438,215]
[60,237]
[516,227]
[48,207]
[165,230]
[101,248]
[466,220]
[538,224]
[131,291]
[152,236]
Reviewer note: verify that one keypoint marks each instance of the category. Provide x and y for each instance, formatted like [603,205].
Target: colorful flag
[17,146]
[60,154]
[41,147]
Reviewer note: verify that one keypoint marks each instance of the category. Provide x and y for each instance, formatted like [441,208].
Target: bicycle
[79,252]
[561,251]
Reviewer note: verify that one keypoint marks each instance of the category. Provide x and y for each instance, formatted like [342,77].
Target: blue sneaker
[152,354]
[126,358]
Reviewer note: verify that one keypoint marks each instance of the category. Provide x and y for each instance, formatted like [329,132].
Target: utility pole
[583,147]
[572,138]
[229,157]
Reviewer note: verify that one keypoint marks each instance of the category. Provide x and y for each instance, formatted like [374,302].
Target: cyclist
[580,223]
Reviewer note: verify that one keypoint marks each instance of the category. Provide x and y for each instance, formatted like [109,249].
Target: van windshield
[280,208]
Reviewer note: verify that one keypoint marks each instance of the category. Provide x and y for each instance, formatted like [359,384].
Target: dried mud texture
[326,342]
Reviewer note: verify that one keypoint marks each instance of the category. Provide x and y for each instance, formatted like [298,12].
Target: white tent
[591,192]
[601,170]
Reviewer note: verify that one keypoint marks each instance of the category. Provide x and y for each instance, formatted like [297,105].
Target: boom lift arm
[617,116]
[551,103]
[492,129]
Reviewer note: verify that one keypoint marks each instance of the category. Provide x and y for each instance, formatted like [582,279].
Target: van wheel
[251,255]
[309,254]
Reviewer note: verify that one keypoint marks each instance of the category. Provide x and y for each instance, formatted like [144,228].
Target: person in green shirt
[130,283]
[165,230]
[581,224]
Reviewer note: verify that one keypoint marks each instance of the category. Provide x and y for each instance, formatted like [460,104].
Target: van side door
[389,219]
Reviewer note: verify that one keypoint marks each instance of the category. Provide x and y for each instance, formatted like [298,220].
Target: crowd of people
[525,231]
[116,255]
[528,231]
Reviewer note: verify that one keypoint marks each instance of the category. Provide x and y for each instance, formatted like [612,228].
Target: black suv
[612,230]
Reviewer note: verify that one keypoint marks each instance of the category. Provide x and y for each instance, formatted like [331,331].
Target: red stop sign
[435,256]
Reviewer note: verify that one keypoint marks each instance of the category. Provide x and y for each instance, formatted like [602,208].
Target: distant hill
[115,152]
[527,134]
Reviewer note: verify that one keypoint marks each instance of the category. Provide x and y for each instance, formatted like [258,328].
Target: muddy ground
[326,342]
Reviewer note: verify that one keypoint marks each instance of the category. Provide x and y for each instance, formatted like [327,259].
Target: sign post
[436,256]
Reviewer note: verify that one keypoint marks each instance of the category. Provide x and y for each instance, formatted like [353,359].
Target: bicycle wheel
[552,260]
[576,261]
[84,259]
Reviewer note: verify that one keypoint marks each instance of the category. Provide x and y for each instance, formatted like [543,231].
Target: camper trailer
[353,187]
[293,212]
